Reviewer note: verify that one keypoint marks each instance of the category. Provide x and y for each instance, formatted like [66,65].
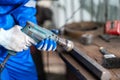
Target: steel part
[91,64]
[38,33]
[72,68]
[86,39]
[67,44]
[110,61]
[106,53]
[108,37]
[75,67]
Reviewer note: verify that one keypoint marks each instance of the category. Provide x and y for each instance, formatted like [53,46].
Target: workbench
[92,51]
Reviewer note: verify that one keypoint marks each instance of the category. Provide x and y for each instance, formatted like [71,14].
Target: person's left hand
[48,44]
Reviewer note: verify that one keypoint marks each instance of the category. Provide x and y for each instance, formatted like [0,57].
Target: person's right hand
[14,39]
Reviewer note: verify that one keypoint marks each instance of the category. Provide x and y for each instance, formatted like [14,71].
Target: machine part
[38,33]
[71,67]
[110,61]
[86,39]
[77,69]
[106,53]
[105,37]
[108,37]
[90,64]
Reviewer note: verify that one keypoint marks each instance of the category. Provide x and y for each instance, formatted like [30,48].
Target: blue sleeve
[13,2]
[24,14]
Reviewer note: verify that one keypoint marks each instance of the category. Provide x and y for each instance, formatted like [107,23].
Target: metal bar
[90,64]
[72,68]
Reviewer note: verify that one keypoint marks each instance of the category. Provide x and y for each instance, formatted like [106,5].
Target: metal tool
[109,60]
[108,37]
[86,39]
[38,33]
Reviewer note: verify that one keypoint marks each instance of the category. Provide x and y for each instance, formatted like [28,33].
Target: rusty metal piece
[111,63]
[90,64]
[86,39]
[107,37]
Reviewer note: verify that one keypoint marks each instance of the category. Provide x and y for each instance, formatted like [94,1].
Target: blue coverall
[21,66]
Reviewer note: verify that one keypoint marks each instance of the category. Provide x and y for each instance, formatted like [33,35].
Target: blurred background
[59,14]
[82,10]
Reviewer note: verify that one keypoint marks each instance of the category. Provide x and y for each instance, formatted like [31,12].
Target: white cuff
[31,3]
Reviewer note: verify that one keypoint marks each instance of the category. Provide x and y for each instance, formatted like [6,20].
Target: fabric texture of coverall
[20,66]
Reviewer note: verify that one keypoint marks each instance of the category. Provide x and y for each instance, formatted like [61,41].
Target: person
[13,16]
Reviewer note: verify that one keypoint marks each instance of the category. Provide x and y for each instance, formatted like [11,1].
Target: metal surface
[38,33]
[111,63]
[90,64]
[109,60]
[72,68]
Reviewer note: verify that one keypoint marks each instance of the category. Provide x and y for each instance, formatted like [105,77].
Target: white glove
[14,39]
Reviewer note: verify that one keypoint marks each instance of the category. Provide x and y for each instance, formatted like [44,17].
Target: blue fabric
[7,6]
[6,21]
[20,66]
[25,15]
[5,75]
[12,2]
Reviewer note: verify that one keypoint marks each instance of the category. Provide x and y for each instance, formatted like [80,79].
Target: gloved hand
[48,44]
[14,39]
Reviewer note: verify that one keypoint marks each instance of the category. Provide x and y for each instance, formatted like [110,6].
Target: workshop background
[58,14]
[82,10]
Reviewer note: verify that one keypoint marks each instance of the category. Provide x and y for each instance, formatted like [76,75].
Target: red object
[112,27]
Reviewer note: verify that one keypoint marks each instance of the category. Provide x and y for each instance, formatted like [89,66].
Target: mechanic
[13,16]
